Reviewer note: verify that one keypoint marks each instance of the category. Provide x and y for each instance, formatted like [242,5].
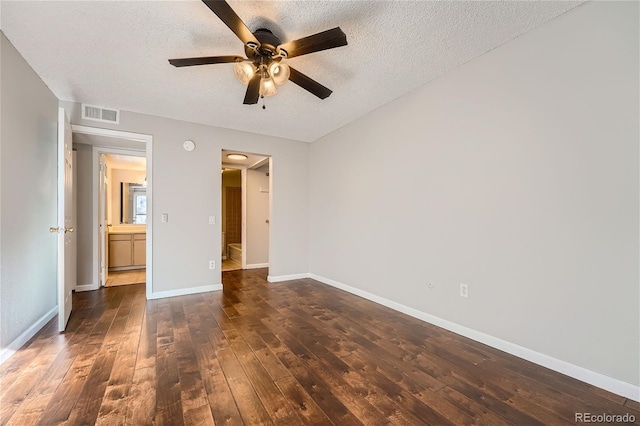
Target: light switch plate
[212,220]
[464,290]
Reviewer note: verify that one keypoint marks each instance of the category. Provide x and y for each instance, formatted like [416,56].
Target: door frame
[103,244]
[243,211]
[134,137]
[243,170]
[103,189]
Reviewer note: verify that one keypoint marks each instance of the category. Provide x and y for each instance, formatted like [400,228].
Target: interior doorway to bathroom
[97,185]
[123,208]
[246,210]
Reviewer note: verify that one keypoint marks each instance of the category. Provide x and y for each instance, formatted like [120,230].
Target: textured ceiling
[115,53]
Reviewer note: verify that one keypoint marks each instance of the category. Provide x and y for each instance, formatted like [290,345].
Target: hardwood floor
[288,353]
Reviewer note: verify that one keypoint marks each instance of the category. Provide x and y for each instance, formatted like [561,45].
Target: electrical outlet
[464,290]
[165,217]
[212,264]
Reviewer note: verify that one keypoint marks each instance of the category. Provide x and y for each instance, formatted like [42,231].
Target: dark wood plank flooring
[287,354]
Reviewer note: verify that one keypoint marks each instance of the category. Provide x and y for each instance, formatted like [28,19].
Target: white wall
[28,171]
[257,212]
[186,186]
[519,177]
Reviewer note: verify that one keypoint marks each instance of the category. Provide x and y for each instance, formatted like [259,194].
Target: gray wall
[257,213]
[187,186]
[29,116]
[84,219]
[519,177]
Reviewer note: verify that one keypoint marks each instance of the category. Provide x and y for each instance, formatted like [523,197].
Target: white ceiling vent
[96,113]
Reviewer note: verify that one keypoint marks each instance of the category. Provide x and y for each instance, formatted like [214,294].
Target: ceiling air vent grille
[96,113]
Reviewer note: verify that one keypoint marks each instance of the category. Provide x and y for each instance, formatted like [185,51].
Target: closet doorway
[246,210]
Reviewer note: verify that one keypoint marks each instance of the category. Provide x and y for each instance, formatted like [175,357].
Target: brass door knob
[53,230]
[68,230]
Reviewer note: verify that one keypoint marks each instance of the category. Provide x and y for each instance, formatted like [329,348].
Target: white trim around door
[135,137]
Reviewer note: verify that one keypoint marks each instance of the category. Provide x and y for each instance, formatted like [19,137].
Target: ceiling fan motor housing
[268,45]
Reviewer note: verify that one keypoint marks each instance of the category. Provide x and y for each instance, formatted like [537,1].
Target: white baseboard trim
[13,347]
[257,265]
[183,291]
[86,287]
[280,278]
[610,384]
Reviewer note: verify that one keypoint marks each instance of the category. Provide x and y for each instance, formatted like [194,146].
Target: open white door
[66,237]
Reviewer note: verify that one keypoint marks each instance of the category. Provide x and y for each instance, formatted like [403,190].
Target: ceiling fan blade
[309,84]
[206,60]
[253,91]
[222,9]
[315,43]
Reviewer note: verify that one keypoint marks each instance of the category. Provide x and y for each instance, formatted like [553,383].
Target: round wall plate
[189,145]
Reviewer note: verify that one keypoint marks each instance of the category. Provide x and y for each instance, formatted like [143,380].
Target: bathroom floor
[135,276]
[230,265]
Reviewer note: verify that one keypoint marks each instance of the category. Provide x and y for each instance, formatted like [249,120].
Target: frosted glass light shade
[237,156]
[279,72]
[244,71]
[267,86]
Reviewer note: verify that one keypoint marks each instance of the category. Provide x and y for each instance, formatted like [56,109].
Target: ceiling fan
[263,67]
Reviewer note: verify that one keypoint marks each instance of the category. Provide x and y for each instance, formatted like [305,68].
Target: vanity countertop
[126,230]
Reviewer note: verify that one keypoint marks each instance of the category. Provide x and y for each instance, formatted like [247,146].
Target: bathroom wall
[117,177]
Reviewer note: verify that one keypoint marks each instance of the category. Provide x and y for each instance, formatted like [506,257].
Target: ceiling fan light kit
[244,71]
[262,69]
[279,72]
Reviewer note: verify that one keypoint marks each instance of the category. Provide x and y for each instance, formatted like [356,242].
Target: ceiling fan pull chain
[263,106]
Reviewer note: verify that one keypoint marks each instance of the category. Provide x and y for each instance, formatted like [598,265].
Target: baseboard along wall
[183,291]
[12,348]
[602,381]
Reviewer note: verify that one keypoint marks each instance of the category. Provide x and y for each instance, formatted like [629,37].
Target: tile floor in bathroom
[134,276]
[230,265]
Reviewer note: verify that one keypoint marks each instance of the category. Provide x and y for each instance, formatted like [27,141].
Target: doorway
[97,143]
[123,217]
[246,210]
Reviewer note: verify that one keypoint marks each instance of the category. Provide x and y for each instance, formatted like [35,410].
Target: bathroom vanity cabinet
[127,250]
